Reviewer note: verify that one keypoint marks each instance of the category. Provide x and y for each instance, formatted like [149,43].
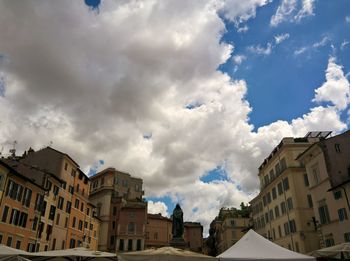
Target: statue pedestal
[178,243]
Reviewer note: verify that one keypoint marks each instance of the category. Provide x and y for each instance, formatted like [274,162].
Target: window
[324,214]
[155,236]
[277,169]
[66,222]
[31,247]
[27,197]
[53,244]
[0,238]
[309,201]
[64,185]
[80,226]
[35,223]
[18,244]
[23,219]
[72,173]
[266,218]
[114,211]
[66,166]
[113,225]
[279,231]
[48,184]
[77,187]
[55,190]
[342,214]
[48,231]
[329,242]
[68,206]
[271,214]
[85,224]
[60,203]
[315,174]
[264,200]
[337,147]
[74,221]
[285,184]
[58,219]
[14,219]
[280,188]
[274,194]
[39,202]
[347,237]
[43,208]
[337,194]
[277,212]
[9,241]
[292,226]
[71,189]
[87,211]
[290,203]
[272,174]
[131,228]
[72,243]
[268,197]
[283,208]
[286,228]
[4,214]
[283,164]
[82,207]
[52,212]
[266,179]
[306,180]
[76,205]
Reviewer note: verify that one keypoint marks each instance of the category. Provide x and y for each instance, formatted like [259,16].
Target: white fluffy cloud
[336,89]
[158,208]
[239,58]
[258,49]
[281,37]
[114,86]
[286,11]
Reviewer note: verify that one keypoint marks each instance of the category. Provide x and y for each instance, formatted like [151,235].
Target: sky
[190,96]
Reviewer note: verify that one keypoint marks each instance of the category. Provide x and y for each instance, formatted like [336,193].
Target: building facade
[158,231]
[281,212]
[19,224]
[193,236]
[61,224]
[123,213]
[327,165]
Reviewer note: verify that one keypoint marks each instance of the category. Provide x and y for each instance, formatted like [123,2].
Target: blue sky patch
[217,174]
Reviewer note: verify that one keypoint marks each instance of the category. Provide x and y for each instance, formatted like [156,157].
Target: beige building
[281,212]
[158,231]
[193,236]
[123,213]
[66,219]
[327,166]
[230,225]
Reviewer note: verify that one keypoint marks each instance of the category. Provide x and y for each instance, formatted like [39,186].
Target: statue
[178,223]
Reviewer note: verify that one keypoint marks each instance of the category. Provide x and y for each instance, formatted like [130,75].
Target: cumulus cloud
[158,208]
[95,84]
[240,11]
[347,19]
[239,58]
[281,37]
[258,49]
[286,11]
[336,89]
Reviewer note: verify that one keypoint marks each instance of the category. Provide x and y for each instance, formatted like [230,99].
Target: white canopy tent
[253,246]
[73,254]
[340,251]
[164,254]
[12,254]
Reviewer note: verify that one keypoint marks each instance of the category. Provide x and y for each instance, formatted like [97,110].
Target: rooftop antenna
[13,150]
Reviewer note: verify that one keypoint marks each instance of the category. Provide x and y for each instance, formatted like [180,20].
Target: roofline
[21,175]
[339,185]
[308,149]
[64,154]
